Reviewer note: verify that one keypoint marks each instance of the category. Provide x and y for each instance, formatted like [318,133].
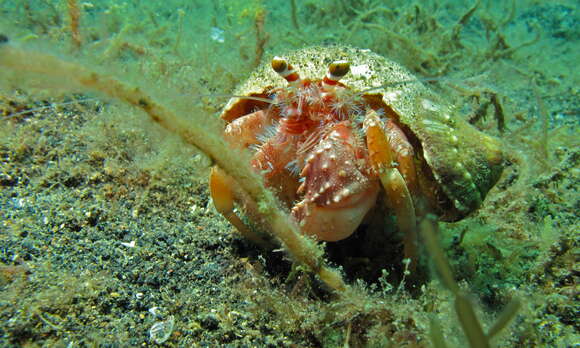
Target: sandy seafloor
[107,229]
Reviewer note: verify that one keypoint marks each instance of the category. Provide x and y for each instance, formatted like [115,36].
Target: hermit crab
[347,139]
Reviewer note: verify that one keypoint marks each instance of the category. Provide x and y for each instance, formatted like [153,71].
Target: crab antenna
[285,69]
[336,71]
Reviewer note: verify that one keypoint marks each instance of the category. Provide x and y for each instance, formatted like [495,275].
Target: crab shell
[463,162]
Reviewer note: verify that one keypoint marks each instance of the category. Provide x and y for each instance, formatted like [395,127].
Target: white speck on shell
[362,70]
[429,105]
[393,96]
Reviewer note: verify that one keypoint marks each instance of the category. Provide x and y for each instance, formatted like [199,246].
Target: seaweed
[481,111]
[262,36]
[464,309]
[75,18]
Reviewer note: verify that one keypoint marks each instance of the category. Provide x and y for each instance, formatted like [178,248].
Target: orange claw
[244,131]
[387,159]
[223,197]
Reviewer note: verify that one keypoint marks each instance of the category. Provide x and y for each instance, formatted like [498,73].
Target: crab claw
[337,193]
[335,222]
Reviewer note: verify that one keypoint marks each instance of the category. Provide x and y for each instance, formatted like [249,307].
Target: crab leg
[384,155]
[404,152]
[223,197]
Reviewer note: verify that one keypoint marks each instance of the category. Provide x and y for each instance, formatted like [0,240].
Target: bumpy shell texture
[463,161]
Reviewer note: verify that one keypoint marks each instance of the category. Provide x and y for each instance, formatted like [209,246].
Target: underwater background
[109,238]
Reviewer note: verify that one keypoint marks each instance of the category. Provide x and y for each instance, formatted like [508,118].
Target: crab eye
[284,69]
[338,69]
[279,64]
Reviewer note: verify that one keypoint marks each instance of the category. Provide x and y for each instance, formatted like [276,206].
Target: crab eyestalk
[285,69]
[336,71]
